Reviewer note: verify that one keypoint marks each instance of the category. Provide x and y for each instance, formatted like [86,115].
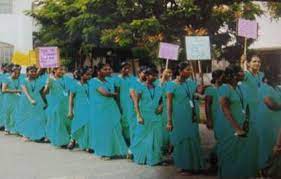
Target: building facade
[16,28]
[268,44]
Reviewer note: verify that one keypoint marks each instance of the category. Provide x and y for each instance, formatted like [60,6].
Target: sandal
[90,151]
[63,146]
[25,139]
[46,140]
[277,150]
[71,145]
[164,163]
[105,158]
[185,173]
[129,156]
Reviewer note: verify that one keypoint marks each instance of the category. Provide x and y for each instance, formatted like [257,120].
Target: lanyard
[62,84]
[240,94]
[278,90]
[246,113]
[125,77]
[106,84]
[33,86]
[191,99]
[257,80]
[151,94]
[187,91]
[16,85]
[86,89]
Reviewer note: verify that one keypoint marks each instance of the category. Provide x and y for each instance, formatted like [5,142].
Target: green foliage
[77,26]
[274,9]
[65,62]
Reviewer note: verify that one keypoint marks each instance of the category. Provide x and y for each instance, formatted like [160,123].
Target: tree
[77,26]
[274,9]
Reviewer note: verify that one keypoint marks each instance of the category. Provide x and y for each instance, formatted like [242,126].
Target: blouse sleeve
[268,91]
[41,82]
[132,84]
[68,82]
[97,85]
[23,83]
[208,91]
[224,91]
[117,81]
[246,76]
[6,81]
[73,87]
[170,87]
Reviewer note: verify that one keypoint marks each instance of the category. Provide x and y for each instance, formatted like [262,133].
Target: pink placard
[168,51]
[48,57]
[248,28]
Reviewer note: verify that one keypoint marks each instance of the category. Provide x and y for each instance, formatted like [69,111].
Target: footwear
[25,139]
[39,140]
[90,151]
[105,158]
[170,150]
[63,146]
[2,128]
[71,145]
[46,140]
[262,173]
[185,173]
[165,163]
[17,134]
[129,156]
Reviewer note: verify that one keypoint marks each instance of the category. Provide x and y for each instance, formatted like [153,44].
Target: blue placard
[198,48]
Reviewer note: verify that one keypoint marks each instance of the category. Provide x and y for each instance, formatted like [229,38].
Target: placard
[48,57]
[168,51]
[248,28]
[198,48]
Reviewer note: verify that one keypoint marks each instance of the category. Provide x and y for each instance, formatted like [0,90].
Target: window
[6,53]
[6,6]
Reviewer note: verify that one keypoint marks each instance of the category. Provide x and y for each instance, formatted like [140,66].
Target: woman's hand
[200,89]
[169,126]
[209,124]
[114,94]
[70,115]
[277,150]
[45,106]
[240,133]
[33,102]
[17,91]
[140,119]
[159,110]
[48,81]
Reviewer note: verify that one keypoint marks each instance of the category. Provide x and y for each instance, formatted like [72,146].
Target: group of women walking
[146,118]
[244,110]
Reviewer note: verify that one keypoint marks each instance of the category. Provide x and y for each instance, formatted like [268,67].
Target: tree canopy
[77,26]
